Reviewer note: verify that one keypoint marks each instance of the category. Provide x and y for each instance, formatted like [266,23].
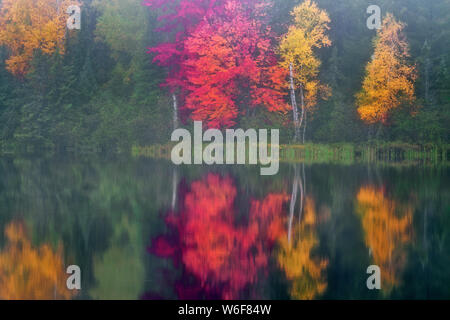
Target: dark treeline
[104,93]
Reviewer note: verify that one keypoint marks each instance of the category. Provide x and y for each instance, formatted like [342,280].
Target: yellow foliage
[28,25]
[294,257]
[297,48]
[389,79]
[28,273]
[387,227]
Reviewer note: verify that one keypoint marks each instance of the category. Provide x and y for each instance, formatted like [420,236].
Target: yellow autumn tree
[297,55]
[29,273]
[389,77]
[388,228]
[305,272]
[29,25]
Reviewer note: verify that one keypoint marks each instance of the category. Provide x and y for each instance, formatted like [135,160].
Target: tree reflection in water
[388,229]
[305,271]
[30,273]
[221,255]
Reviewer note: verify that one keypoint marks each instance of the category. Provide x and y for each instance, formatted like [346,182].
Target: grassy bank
[337,153]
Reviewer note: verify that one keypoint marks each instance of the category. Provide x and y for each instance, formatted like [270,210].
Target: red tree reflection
[221,252]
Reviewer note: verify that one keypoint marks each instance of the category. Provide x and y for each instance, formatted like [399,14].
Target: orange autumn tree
[389,80]
[297,47]
[29,25]
[306,272]
[388,229]
[30,273]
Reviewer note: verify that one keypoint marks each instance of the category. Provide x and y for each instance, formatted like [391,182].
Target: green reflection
[104,214]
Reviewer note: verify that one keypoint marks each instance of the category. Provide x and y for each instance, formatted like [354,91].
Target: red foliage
[180,17]
[231,67]
[221,58]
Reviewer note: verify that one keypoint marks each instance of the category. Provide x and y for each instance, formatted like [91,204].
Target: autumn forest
[135,70]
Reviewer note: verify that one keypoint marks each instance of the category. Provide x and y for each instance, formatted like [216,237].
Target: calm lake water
[145,229]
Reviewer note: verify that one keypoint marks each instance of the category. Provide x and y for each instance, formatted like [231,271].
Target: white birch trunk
[302,100]
[304,127]
[175,111]
[297,123]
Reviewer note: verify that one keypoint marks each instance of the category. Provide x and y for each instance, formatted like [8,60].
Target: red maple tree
[221,58]
[232,67]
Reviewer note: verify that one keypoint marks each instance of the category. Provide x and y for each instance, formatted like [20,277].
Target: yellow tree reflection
[30,273]
[387,226]
[307,273]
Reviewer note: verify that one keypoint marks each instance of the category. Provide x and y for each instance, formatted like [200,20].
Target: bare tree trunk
[174,188]
[298,183]
[175,111]
[294,104]
[303,117]
[304,127]
[292,205]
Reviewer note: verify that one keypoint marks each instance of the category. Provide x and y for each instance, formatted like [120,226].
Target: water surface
[145,229]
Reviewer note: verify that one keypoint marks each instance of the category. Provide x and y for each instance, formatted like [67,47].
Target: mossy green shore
[337,153]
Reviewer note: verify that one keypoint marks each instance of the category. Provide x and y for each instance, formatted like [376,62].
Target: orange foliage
[29,273]
[28,25]
[295,258]
[389,79]
[387,226]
